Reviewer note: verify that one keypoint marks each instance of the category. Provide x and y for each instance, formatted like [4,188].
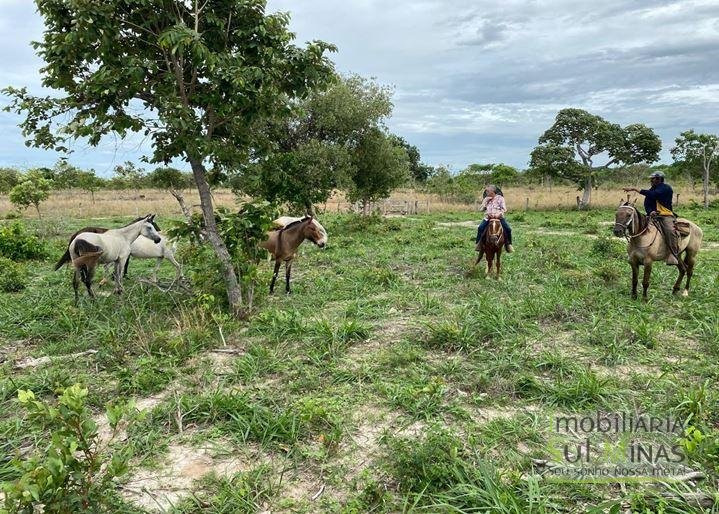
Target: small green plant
[13,276]
[17,244]
[73,471]
[32,191]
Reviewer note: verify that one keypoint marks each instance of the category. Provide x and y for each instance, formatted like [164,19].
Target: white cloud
[480,81]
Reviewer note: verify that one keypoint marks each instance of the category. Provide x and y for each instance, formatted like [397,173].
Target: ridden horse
[491,244]
[282,243]
[141,248]
[112,246]
[646,245]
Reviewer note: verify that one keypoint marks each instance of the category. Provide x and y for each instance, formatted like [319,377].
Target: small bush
[12,276]
[71,471]
[18,244]
[606,246]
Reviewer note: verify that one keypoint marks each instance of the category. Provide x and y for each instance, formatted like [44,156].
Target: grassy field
[393,379]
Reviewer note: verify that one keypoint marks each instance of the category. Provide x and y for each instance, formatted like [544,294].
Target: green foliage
[9,178]
[699,151]
[169,178]
[314,151]
[570,146]
[33,190]
[439,473]
[418,171]
[378,167]
[242,233]
[127,176]
[72,471]
[17,244]
[13,276]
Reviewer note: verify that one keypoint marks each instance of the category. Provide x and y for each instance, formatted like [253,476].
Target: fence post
[526,204]
[677,198]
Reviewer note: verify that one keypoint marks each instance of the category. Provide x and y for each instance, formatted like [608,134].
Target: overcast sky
[475,81]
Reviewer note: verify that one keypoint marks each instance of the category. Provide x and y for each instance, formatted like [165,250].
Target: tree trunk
[234,291]
[587,196]
[39,216]
[706,186]
[183,206]
[365,207]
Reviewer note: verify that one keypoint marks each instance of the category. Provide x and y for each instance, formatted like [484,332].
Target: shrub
[12,276]
[18,244]
[72,471]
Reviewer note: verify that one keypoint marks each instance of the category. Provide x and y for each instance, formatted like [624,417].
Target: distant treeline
[126,176]
[464,185]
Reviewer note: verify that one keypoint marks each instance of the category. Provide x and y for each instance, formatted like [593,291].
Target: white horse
[114,246]
[145,248]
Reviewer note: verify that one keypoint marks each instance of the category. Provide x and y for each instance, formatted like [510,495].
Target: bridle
[625,227]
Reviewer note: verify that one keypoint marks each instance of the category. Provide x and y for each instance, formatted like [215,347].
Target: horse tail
[87,254]
[63,260]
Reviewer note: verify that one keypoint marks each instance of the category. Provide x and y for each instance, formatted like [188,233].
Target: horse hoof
[685,293]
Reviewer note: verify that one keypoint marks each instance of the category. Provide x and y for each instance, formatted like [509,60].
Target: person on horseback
[658,204]
[495,207]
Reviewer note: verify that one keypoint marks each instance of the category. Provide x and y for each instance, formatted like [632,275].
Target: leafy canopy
[191,76]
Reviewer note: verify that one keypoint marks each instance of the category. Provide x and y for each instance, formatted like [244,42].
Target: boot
[673,257]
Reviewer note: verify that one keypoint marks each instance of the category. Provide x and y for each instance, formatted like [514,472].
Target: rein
[630,237]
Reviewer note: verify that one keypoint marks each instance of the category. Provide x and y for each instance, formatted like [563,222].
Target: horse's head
[149,228]
[315,232]
[494,231]
[623,218]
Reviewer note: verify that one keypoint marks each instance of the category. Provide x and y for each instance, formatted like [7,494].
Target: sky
[474,81]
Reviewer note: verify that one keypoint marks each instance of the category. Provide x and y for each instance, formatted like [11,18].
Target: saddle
[682,227]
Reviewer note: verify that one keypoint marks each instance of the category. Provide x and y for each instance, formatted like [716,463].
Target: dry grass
[78,204]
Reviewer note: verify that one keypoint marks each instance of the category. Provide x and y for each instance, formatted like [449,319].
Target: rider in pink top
[495,207]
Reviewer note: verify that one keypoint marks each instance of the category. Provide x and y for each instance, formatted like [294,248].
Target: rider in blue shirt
[658,204]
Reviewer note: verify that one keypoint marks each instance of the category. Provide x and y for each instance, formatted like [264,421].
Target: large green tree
[698,151]
[9,178]
[379,165]
[190,75]
[309,154]
[570,148]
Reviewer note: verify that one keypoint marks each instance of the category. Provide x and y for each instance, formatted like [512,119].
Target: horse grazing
[88,249]
[282,243]
[646,245]
[491,244]
[141,248]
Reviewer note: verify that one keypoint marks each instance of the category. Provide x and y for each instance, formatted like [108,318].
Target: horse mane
[142,218]
[301,220]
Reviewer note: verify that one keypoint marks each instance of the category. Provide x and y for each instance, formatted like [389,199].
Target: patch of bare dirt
[162,488]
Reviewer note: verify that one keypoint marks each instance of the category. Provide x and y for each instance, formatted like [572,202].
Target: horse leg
[645,281]
[119,269]
[176,264]
[499,263]
[490,262]
[75,284]
[635,278]
[689,262]
[274,275]
[288,270]
[157,268]
[87,279]
[678,283]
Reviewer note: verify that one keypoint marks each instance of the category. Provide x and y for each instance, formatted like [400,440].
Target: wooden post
[415,207]
[526,204]
[677,199]
[578,202]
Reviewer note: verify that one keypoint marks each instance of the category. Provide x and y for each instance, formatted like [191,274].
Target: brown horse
[283,242]
[491,244]
[646,245]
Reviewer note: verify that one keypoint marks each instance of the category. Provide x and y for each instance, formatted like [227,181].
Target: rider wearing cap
[658,203]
